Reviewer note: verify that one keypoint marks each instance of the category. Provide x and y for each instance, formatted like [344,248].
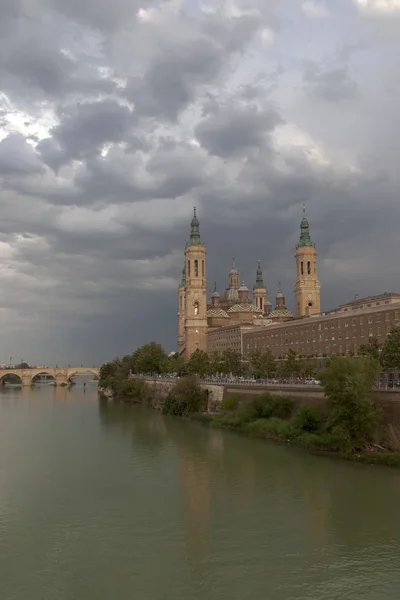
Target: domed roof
[280,312]
[217,312]
[243,287]
[245,308]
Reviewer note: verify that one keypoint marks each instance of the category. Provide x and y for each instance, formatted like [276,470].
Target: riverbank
[283,432]
[268,418]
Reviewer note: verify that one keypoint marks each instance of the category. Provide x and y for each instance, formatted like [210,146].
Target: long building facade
[243,323]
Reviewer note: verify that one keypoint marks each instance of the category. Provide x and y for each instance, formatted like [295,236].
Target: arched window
[302,268]
[202,268]
[196,308]
[308,268]
[188,268]
[196,268]
[181,303]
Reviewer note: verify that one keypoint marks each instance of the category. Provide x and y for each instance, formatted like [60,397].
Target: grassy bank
[271,418]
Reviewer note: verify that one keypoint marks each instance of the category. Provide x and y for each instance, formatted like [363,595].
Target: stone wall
[160,388]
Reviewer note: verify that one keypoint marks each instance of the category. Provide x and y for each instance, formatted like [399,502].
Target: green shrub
[230,402]
[273,427]
[307,418]
[266,406]
[321,441]
[185,398]
[135,389]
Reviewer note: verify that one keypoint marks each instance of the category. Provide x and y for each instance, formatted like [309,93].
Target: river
[101,501]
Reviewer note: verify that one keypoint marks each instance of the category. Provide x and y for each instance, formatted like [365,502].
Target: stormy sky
[117,116]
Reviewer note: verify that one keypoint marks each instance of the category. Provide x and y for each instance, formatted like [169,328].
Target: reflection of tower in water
[195,482]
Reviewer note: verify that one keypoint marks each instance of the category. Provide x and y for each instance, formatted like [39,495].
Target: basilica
[201,318]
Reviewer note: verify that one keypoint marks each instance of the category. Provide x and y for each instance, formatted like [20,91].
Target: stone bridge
[61,375]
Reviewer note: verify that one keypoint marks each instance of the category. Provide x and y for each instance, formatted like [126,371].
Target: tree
[216,363]
[150,358]
[373,348]
[231,362]
[348,388]
[291,365]
[306,368]
[199,363]
[175,364]
[263,363]
[390,355]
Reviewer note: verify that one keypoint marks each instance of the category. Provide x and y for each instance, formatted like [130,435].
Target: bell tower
[181,312]
[195,292]
[259,290]
[307,289]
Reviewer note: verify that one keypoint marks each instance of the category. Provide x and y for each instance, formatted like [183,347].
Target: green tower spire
[259,279]
[305,238]
[194,232]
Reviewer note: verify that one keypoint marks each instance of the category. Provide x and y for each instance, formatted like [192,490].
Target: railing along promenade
[386,386]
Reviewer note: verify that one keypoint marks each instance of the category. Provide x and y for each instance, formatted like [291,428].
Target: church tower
[307,289]
[195,292]
[259,290]
[181,312]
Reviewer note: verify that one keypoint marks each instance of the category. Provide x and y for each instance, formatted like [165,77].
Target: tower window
[302,268]
[181,303]
[308,268]
[202,268]
[196,268]
[188,268]
[196,308]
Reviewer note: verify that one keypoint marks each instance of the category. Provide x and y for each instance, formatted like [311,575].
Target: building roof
[217,312]
[244,308]
[280,312]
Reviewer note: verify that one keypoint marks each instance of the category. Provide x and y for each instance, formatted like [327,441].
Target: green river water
[100,501]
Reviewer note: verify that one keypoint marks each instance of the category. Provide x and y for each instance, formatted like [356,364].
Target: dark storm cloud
[84,128]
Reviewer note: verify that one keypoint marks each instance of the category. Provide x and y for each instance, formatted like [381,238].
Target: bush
[352,413]
[273,427]
[230,402]
[135,389]
[267,406]
[185,398]
[307,418]
[321,441]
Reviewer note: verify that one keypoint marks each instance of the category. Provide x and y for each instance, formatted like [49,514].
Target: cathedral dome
[250,308]
[217,312]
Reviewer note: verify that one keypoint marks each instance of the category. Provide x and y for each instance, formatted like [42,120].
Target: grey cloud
[171,83]
[17,157]
[331,85]
[232,129]
[85,128]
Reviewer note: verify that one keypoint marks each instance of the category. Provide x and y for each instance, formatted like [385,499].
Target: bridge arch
[16,372]
[44,372]
[82,371]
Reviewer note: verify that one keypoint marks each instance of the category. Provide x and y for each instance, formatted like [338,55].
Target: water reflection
[252,494]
